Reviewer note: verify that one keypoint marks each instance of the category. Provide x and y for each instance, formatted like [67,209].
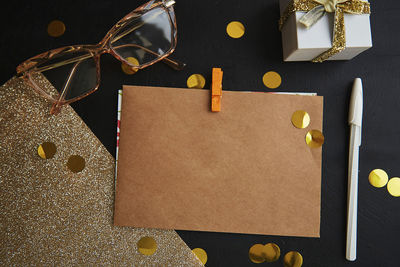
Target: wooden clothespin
[216,89]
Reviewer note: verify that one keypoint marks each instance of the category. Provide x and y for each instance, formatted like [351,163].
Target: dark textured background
[203,44]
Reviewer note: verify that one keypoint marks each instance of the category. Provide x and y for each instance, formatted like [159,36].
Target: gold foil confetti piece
[300,119]
[128,69]
[201,254]
[196,81]
[76,163]
[147,245]
[47,150]
[378,178]
[256,253]
[272,252]
[56,28]
[235,29]
[314,138]
[393,186]
[272,79]
[293,259]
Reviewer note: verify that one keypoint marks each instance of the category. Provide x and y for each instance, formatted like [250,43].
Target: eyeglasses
[143,37]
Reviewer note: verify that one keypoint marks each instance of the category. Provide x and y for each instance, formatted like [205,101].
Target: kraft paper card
[246,169]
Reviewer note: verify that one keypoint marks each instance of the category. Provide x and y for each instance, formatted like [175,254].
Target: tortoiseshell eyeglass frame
[32,66]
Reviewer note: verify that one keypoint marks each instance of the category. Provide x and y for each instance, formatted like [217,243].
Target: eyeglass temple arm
[177,65]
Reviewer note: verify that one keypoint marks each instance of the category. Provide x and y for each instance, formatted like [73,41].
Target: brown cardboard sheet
[246,169]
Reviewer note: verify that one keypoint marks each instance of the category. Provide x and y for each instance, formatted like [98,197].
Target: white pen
[355,121]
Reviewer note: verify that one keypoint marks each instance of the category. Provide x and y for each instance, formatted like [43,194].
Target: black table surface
[203,44]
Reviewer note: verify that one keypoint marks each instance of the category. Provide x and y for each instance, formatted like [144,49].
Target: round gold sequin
[272,79]
[235,29]
[393,186]
[256,253]
[47,150]
[128,69]
[293,259]
[76,163]
[196,81]
[378,178]
[314,138]
[272,252]
[56,28]
[300,119]
[201,254]
[147,245]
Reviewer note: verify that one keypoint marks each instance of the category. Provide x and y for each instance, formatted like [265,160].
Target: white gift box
[302,44]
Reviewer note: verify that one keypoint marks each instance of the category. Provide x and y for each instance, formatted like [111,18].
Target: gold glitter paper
[235,29]
[314,138]
[47,150]
[56,28]
[201,254]
[356,7]
[300,119]
[393,186]
[378,178]
[51,216]
[272,79]
[196,81]
[293,259]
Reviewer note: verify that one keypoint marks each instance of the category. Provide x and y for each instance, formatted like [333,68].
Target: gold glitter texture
[378,178]
[196,81]
[300,119]
[393,186]
[272,79]
[47,150]
[56,28]
[356,7]
[235,29]
[293,259]
[314,138]
[51,216]
[201,254]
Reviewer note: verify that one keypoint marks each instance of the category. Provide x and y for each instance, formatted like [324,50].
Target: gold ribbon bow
[315,10]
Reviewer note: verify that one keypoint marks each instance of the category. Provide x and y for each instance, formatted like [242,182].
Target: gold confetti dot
[272,252]
[293,259]
[196,81]
[47,150]
[128,69]
[314,138]
[272,79]
[201,254]
[56,28]
[256,253]
[76,163]
[300,119]
[147,245]
[378,178]
[393,186]
[235,29]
